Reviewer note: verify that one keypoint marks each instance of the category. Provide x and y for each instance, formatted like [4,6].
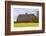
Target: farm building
[26,18]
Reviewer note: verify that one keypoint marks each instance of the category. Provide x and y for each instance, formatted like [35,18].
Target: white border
[26,28]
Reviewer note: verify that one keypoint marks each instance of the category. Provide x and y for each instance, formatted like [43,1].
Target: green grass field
[26,24]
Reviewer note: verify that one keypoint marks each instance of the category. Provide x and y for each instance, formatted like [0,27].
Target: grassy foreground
[26,24]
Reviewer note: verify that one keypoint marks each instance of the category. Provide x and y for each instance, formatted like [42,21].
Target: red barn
[26,18]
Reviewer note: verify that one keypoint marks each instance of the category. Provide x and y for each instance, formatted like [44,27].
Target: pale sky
[18,11]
